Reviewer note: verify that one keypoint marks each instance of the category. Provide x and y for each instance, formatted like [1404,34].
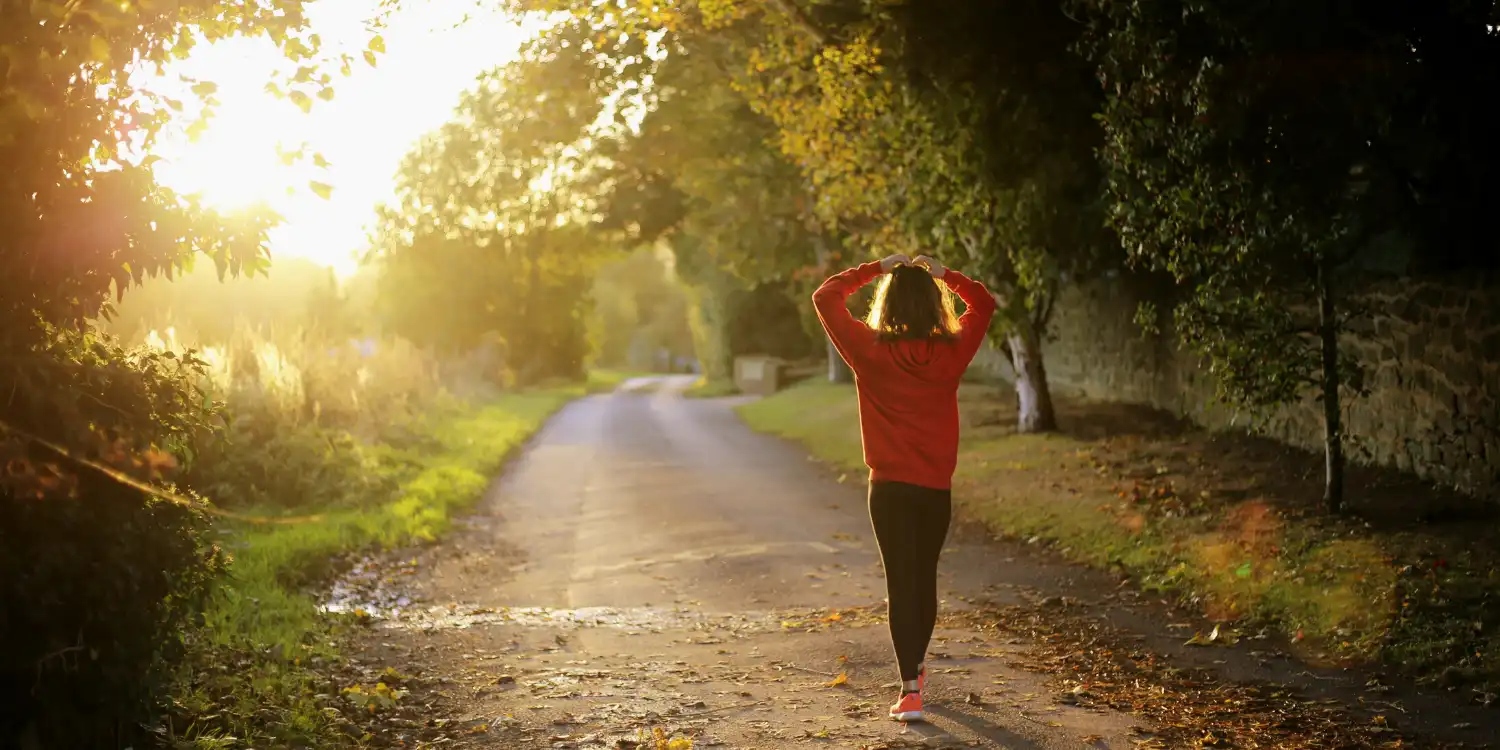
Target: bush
[302,413]
[94,594]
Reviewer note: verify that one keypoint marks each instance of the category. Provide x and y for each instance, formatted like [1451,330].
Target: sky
[373,120]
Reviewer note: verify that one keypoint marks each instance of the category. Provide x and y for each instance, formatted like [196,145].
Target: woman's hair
[910,304]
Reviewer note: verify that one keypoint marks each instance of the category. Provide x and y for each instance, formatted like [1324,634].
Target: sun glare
[434,51]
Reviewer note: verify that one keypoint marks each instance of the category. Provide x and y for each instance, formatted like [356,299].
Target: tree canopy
[488,241]
[85,219]
[910,133]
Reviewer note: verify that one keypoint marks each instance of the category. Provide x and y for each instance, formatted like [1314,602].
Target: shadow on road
[1002,737]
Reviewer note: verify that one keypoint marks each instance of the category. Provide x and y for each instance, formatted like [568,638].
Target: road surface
[648,563]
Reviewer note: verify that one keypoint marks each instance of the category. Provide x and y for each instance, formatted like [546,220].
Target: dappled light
[663,376]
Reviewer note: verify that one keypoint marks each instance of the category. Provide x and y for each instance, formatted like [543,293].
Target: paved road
[649,562]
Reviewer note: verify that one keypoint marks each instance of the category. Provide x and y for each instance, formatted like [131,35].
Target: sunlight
[434,51]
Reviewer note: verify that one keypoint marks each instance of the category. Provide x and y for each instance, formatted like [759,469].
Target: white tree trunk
[1035,398]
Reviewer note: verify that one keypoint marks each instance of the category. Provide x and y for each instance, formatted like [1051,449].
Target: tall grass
[350,446]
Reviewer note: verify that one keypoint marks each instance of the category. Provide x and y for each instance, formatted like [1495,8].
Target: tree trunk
[838,369]
[1025,344]
[1333,429]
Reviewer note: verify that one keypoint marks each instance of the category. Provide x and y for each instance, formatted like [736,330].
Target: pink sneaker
[909,708]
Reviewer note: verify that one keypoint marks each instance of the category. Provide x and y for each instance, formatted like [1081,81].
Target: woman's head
[910,304]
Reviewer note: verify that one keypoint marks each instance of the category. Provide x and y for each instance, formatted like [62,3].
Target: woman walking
[907,358]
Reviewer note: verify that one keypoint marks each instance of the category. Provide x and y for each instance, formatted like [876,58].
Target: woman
[907,359]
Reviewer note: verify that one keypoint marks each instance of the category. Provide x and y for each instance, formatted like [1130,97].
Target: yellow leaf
[377,44]
[323,189]
[842,679]
[99,49]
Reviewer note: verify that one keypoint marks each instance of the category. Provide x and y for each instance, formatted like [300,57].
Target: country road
[649,562]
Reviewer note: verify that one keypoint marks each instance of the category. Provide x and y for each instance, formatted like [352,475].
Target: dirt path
[650,564]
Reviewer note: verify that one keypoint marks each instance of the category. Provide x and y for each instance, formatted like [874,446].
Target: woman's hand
[933,267]
[891,261]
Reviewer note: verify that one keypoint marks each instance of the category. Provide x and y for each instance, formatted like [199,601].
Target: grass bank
[267,669]
[705,388]
[1227,523]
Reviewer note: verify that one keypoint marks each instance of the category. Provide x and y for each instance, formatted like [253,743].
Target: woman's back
[907,360]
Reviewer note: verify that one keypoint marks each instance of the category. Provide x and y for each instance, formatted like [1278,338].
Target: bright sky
[374,119]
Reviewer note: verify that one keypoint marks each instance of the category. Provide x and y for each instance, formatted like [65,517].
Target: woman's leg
[910,525]
[932,530]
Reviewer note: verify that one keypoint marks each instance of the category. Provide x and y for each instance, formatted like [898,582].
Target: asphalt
[649,563]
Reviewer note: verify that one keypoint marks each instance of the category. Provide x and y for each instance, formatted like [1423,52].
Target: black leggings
[911,524]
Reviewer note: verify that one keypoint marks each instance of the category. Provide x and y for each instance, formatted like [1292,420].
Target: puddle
[639,619]
[373,587]
[379,588]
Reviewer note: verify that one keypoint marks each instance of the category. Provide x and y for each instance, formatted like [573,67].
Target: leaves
[322,189]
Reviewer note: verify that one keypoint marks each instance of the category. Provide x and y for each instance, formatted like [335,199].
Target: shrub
[94,591]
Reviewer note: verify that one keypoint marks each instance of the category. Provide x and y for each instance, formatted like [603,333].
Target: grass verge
[1229,524]
[267,660]
[706,388]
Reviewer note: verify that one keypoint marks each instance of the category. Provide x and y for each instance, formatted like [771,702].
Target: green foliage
[1255,152]
[486,243]
[766,320]
[1244,186]
[262,668]
[702,167]
[640,308]
[98,577]
[95,595]
[899,129]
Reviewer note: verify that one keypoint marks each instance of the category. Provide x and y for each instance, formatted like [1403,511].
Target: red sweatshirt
[908,389]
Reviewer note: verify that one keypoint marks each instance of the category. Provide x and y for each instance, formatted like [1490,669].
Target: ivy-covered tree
[1254,152]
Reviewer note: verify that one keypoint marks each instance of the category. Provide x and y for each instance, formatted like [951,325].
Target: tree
[701,171]
[93,564]
[1256,150]
[987,160]
[640,308]
[487,241]
[84,217]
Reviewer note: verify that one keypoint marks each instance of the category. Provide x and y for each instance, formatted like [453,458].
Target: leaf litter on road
[1093,665]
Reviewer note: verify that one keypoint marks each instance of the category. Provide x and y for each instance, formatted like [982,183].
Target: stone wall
[1431,356]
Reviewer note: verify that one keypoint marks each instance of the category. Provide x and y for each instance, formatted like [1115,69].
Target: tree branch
[801,21]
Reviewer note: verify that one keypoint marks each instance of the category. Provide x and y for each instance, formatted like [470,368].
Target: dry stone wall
[1431,356]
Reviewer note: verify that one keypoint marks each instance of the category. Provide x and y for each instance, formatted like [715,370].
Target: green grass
[1161,508]
[252,676]
[265,603]
[706,388]
[822,416]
